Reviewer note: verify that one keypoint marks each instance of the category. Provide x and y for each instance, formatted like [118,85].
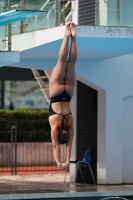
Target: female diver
[61,84]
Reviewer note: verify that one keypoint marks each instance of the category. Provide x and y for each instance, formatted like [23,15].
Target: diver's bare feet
[73,29]
[68,30]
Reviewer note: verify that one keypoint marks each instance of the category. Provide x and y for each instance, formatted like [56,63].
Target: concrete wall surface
[31,154]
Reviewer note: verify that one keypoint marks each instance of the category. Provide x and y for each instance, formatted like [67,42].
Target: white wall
[115,76]
[127,147]
[74,144]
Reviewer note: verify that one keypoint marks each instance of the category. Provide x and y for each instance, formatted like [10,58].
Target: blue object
[18,15]
[82,164]
[114,198]
[87,156]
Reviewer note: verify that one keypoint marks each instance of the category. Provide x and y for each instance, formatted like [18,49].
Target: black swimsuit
[63,97]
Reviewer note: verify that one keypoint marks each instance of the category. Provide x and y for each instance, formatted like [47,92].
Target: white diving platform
[94,43]
[9,58]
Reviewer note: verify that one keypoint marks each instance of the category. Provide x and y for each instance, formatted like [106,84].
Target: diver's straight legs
[63,53]
[70,72]
[59,72]
[73,51]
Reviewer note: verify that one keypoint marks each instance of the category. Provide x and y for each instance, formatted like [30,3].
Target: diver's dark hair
[63,135]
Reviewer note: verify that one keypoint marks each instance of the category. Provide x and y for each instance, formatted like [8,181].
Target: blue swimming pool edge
[64,195]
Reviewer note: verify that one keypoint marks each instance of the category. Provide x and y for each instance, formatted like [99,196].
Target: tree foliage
[31,125]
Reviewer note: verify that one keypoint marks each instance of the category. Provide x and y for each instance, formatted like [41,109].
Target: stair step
[46,94]
[48,101]
[35,72]
[41,77]
[44,88]
[42,83]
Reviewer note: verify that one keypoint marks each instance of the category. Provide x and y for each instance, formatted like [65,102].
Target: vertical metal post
[21,22]
[63,12]
[2,93]
[9,29]
[56,12]
[14,150]
[15,161]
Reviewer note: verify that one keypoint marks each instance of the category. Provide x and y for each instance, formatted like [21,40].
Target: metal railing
[25,147]
[91,12]
[58,12]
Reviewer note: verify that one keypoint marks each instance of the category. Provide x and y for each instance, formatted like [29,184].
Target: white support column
[103,12]
[101,138]
[73,152]
[75,8]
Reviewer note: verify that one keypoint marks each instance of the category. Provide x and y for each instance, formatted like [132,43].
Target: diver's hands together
[64,166]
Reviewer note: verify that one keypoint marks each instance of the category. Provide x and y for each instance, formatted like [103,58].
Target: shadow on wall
[127,139]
